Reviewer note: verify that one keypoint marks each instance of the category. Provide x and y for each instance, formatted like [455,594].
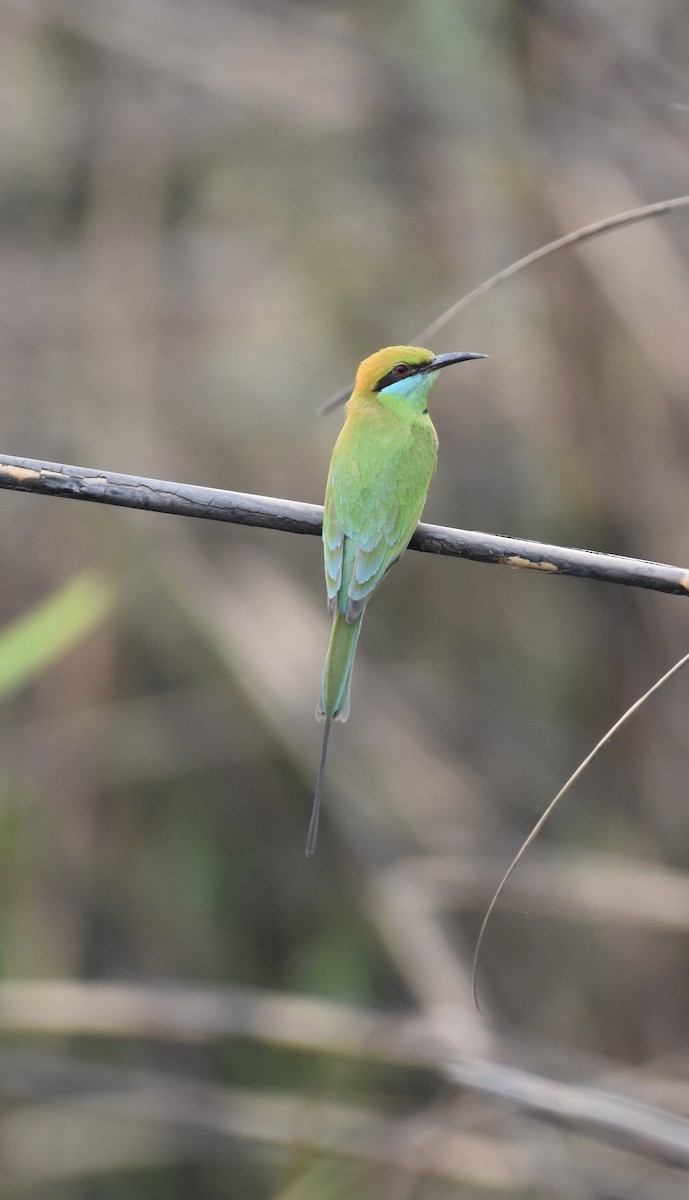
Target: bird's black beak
[446,360]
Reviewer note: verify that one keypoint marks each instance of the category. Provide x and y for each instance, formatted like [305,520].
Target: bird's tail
[337,672]
[334,701]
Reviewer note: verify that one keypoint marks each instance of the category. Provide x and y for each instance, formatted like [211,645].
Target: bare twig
[182,499]
[647,1127]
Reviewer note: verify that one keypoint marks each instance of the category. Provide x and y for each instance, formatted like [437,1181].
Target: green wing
[374,499]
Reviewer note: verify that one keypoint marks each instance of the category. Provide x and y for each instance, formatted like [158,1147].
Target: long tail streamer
[312,835]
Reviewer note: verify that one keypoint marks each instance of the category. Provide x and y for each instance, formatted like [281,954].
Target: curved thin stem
[618,221]
[553,803]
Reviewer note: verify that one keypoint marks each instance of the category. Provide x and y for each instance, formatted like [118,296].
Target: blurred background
[209,213]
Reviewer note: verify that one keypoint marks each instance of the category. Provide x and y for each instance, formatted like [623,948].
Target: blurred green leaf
[35,640]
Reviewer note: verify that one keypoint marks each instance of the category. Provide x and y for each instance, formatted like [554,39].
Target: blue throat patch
[413,390]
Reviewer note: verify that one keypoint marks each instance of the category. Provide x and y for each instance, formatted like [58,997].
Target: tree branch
[240,508]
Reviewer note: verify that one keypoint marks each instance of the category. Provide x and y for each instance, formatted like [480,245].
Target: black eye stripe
[393,376]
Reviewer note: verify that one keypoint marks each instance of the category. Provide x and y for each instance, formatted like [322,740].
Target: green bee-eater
[380,472]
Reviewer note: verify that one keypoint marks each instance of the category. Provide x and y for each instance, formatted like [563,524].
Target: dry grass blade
[607,225]
[660,209]
[554,802]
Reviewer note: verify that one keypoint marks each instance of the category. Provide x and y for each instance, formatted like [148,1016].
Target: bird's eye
[401,369]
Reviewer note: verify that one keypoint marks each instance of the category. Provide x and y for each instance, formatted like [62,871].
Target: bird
[381,468]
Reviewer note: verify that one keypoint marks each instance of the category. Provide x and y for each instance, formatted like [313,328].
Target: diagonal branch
[240,508]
